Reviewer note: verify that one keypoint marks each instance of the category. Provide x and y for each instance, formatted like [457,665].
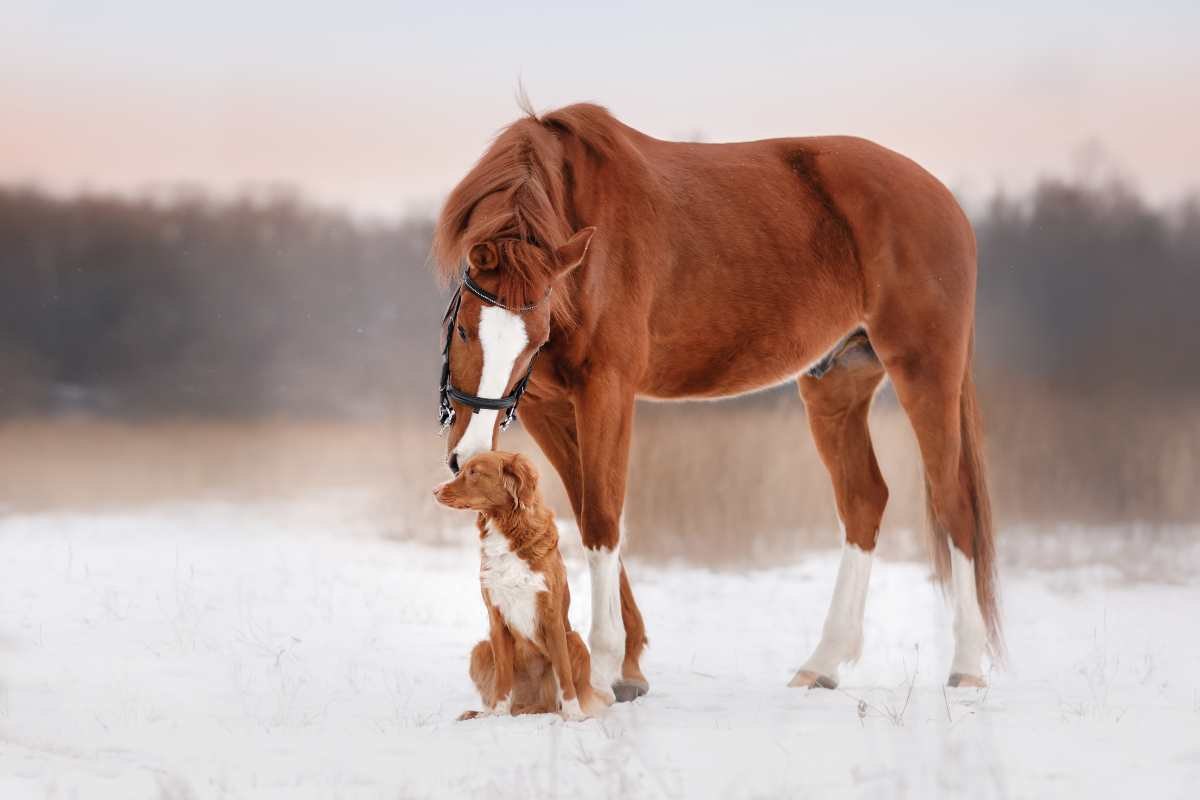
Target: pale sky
[382,106]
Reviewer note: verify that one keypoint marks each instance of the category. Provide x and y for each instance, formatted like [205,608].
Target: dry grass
[87,465]
[718,484]
[729,484]
[750,490]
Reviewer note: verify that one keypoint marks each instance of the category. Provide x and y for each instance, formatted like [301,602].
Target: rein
[447,392]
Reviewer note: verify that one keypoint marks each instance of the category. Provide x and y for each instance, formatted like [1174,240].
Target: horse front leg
[604,424]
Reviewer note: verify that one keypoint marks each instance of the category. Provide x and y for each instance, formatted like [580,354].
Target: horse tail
[974,476]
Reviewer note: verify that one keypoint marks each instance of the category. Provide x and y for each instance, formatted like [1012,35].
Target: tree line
[262,305]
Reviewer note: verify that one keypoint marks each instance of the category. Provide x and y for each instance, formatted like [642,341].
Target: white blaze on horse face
[842,637]
[970,635]
[503,337]
[607,637]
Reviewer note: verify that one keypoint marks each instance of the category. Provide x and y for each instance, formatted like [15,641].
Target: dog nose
[452,462]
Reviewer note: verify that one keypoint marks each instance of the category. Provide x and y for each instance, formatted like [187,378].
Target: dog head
[491,482]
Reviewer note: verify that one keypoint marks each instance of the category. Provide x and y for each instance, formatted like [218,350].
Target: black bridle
[508,403]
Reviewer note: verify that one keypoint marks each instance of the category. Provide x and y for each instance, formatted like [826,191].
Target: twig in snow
[892,714]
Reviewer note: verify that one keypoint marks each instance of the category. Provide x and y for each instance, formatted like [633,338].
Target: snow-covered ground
[288,651]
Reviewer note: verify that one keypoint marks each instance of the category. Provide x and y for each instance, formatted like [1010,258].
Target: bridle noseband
[508,403]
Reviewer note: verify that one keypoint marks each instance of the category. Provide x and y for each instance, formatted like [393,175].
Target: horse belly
[727,330]
[707,368]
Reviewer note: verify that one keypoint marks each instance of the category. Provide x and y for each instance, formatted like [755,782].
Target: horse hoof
[807,679]
[962,680]
[626,691]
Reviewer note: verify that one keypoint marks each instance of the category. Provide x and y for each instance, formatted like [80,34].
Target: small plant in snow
[892,712]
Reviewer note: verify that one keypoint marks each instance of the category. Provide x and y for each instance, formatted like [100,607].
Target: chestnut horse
[631,266]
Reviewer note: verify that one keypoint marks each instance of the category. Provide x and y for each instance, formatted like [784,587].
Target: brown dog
[532,662]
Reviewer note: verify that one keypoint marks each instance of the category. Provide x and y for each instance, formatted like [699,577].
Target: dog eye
[462,333]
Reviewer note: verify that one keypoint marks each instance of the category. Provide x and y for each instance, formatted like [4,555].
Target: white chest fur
[511,586]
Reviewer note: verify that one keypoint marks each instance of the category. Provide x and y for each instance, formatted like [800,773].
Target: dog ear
[483,256]
[571,254]
[520,480]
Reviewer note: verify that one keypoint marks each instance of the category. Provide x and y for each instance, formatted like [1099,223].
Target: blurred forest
[186,307]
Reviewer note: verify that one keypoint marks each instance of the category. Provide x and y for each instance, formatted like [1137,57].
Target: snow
[291,651]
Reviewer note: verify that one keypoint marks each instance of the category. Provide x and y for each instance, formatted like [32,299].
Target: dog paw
[466,715]
[572,711]
[807,679]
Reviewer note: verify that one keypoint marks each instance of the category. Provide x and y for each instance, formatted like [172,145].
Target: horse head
[497,322]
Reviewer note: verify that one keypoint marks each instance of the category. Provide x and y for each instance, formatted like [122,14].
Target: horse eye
[462,333]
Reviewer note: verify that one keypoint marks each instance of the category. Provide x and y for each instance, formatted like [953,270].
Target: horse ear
[483,256]
[571,254]
[520,480]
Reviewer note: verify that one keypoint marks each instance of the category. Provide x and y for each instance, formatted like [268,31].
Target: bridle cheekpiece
[507,403]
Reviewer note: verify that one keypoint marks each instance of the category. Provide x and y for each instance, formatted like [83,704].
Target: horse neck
[608,195]
[600,193]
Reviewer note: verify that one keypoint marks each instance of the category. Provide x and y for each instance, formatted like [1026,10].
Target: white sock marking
[607,637]
[511,585]
[502,334]
[842,637]
[970,635]
[571,709]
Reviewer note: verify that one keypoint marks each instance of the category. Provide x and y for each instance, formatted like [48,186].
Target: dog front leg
[560,661]
[504,648]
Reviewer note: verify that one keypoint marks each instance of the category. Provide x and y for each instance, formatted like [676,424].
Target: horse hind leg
[837,396]
[934,385]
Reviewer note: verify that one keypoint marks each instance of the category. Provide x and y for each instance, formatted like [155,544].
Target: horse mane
[526,166]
